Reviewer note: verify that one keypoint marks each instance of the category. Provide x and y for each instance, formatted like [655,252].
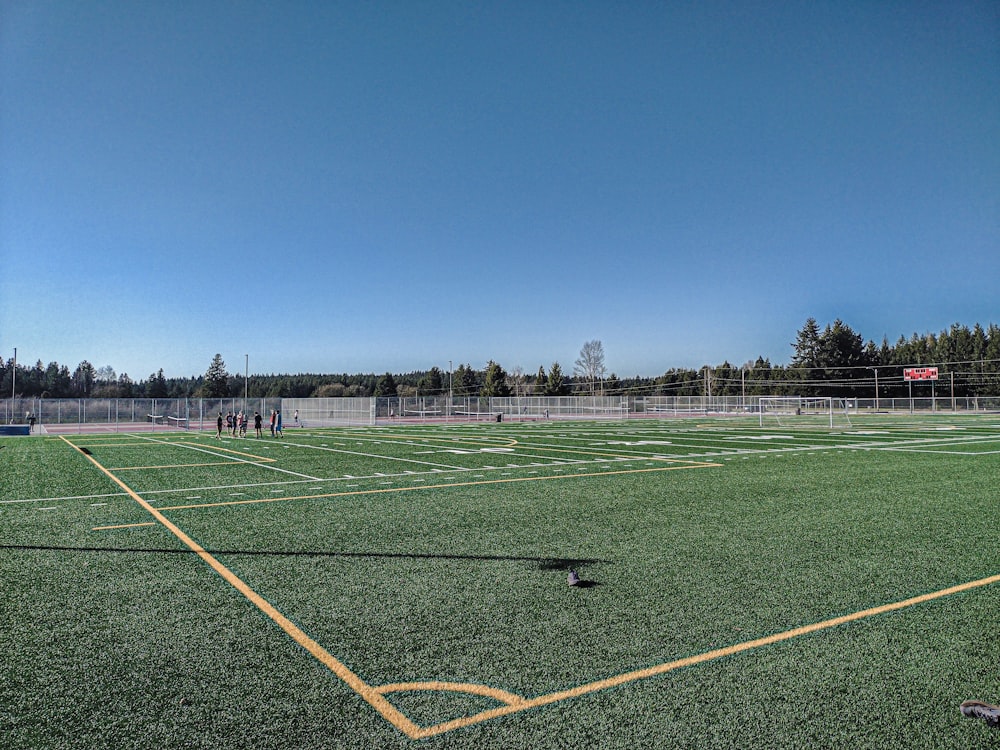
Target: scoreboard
[920,373]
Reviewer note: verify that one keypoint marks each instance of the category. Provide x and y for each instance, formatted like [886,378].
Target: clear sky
[387,186]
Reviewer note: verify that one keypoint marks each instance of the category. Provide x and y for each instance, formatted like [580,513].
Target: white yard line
[449,467]
[55,499]
[235,459]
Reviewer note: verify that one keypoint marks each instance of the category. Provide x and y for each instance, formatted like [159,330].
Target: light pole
[875,369]
[450,390]
[246,384]
[13,386]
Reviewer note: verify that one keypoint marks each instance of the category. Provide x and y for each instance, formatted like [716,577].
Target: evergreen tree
[806,357]
[495,382]
[556,385]
[126,388]
[991,365]
[83,379]
[842,356]
[466,381]
[541,381]
[807,346]
[216,379]
[386,385]
[431,384]
[58,381]
[759,377]
[157,386]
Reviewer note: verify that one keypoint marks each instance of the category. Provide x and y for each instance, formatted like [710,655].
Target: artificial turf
[440,554]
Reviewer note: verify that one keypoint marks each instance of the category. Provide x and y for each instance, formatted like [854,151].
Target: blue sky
[371,187]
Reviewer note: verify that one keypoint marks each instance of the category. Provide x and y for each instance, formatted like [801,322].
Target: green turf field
[407,587]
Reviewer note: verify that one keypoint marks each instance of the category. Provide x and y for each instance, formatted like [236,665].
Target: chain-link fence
[53,416]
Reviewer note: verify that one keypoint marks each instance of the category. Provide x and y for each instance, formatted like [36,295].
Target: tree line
[832,361]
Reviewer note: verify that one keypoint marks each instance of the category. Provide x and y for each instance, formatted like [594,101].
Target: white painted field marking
[236,459]
[631,443]
[941,452]
[761,437]
[60,499]
[394,459]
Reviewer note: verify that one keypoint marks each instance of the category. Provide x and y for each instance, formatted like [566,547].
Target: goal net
[804,411]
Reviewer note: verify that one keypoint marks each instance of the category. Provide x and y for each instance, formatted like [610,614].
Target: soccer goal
[804,411]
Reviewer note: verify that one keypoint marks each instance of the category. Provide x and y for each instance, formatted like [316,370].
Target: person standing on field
[257,420]
[218,426]
[273,413]
[277,424]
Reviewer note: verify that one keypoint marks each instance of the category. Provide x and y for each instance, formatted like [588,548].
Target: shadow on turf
[544,563]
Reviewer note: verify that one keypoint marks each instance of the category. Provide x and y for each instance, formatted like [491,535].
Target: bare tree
[590,365]
[516,378]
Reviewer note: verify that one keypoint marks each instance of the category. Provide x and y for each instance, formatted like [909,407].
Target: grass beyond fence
[742,587]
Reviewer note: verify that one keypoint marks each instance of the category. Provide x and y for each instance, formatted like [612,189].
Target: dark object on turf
[985,711]
[573,578]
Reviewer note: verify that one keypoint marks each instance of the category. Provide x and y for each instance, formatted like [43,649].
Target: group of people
[236,424]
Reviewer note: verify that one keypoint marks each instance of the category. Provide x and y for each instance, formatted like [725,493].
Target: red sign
[920,373]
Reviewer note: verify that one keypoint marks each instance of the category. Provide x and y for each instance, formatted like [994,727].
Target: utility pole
[13,386]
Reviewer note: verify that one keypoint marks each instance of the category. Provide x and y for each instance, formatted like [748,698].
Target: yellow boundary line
[512,703]
[123,526]
[363,689]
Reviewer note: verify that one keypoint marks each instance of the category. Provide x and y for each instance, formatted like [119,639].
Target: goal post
[804,411]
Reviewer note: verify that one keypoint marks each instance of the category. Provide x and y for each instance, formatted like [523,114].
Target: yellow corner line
[496,694]
[641,674]
[383,490]
[369,694]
